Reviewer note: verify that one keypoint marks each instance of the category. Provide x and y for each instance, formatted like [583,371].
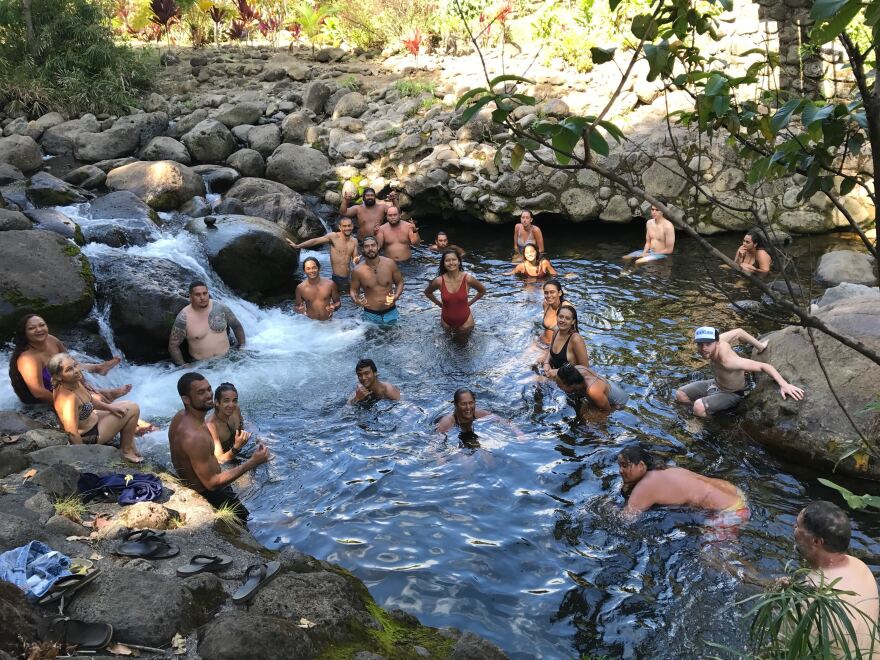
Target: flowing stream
[516,540]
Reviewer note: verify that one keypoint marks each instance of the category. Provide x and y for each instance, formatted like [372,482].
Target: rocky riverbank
[311,609]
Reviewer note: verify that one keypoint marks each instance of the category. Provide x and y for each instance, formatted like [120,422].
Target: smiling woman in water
[454,285]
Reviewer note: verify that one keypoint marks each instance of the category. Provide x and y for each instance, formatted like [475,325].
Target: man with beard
[205,325]
[370,387]
[343,251]
[370,214]
[376,285]
[397,237]
[317,297]
[192,447]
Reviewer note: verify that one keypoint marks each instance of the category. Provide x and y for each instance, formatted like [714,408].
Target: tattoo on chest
[217,318]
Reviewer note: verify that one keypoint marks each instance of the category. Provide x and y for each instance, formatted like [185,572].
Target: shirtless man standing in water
[192,447]
[205,325]
[343,251]
[659,238]
[317,297]
[397,237]
[370,214]
[376,285]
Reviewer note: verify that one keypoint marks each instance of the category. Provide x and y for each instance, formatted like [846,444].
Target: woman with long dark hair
[752,256]
[226,424]
[567,345]
[532,265]
[554,299]
[454,285]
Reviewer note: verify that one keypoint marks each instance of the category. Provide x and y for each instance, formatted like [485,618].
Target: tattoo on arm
[178,334]
[233,322]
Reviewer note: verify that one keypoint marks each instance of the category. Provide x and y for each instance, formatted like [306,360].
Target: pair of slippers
[255,576]
[66,587]
[71,632]
[147,544]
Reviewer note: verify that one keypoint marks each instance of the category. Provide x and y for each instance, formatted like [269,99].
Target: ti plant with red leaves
[413,43]
[165,14]
[237,31]
[218,17]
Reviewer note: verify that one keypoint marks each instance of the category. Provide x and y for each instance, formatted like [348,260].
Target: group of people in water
[201,442]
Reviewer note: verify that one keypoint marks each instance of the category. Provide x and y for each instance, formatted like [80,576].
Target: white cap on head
[705,334]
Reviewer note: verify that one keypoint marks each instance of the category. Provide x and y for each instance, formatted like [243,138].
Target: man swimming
[343,251]
[397,237]
[376,285]
[440,243]
[589,387]
[370,387]
[317,297]
[465,413]
[674,486]
[205,325]
[727,388]
[370,214]
[659,238]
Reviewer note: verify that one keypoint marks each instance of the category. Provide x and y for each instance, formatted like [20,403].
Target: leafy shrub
[414,87]
[72,64]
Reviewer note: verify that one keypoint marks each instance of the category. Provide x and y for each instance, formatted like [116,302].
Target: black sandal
[205,563]
[255,577]
[66,587]
[71,632]
[147,544]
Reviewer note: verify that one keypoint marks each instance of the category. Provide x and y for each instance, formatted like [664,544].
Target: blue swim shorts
[384,317]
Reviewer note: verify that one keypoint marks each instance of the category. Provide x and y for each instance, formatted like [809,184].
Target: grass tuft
[70,507]
[414,87]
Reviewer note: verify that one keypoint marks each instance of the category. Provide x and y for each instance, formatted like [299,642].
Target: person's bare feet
[114,393]
[133,458]
[106,366]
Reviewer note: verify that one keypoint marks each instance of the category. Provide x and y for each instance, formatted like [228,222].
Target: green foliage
[73,64]
[853,501]
[313,19]
[414,87]
[350,83]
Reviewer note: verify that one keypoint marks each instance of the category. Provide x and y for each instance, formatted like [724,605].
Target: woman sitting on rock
[28,364]
[531,266]
[86,418]
[226,425]
[526,232]
[554,300]
[566,346]
[752,256]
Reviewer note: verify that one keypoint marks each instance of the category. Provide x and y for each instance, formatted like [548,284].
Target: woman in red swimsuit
[454,285]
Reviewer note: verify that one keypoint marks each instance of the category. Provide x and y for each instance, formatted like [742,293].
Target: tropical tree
[311,18]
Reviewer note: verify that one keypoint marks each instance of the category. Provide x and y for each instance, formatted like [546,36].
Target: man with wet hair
[674,486]
[465,413]
[659,237]
[397,237]
[369,385]
[440,243]
[205,325]
[589,387]
[343,251]
[822,535]
[370,214]
[317,297]
[728,387]
[192,447]
[376,285]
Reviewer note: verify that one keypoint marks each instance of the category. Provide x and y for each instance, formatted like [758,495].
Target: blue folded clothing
[124,488]
[34,568]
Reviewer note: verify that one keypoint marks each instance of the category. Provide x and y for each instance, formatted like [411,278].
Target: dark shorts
[382,317]
[90,437]
[342,283]
[227,497]
[714,400]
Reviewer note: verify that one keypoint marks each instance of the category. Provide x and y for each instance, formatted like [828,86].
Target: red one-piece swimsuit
[455,311]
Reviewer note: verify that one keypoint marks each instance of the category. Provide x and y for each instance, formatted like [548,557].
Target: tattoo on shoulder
[178,330]
[230,319]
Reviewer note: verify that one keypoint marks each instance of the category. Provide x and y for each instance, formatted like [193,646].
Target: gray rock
[846,266]
[217,178]
[141,324]
[58,479]
[298,167]
[236,242]
[298,71]
[41,505]
[86,458]
[164,184]
[249,188]
[16,531]
[14,220]
[87,176]
[59,139]
[617,210]
[273,74]
[230,206]
[288,211]
[187,123]
[14,423]
[36,439]
[847,290]
[146,125]
[121,219]
[22,152]
[471,647]
[241,131]
[39,126]
[156,102]
[17,126]
[12,460]
[352,104]
[264,139]
[166,148]
[64,527]
[579,204]
[42,272]
[10,174]
[248,162]
[248,112]
[316,96]
[57,222]
[107,166]
[234,636]
[115,142]
[121,205]
[209,141]
[43,189]
[197,207]
[85,337]
[330,55]
[295,127]
[664,177]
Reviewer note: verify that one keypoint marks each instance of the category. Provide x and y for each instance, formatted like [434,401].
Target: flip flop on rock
[204,563]
[147,544]
[71,632]
[255,577]
[66,587]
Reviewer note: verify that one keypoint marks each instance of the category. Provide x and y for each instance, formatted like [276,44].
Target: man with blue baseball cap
[728,387]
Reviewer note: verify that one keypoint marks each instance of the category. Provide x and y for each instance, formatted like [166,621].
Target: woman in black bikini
[87,419]
[554,299]
[226,425]
[567,345]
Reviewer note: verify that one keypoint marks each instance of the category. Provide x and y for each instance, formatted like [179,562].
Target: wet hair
[537,252]
[442,233]
[369,238]
[635,454]
[195,284]
[574,313]
[460,392]
[558,285]
[441,269]
[308,259]
[55,367]
[569,375]
[222,389]
[757,237]
[531,215]
[21,345]
[184,384]
[364,363]
[369,190]
[828,522]
[344,218]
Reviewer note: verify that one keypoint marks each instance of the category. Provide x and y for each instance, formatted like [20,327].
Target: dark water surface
[516,540]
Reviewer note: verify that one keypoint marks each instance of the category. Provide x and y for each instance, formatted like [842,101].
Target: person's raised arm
[380,236]
[539,238]
[312,242]
[32,373]
[178,334]
[343,206]
[579,347]
[478,287]
[66,409]
[207,469]
[433,286]
[738,334]
[397,278]
[414,238]
[237,329]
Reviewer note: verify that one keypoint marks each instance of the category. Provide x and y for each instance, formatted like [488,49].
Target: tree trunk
[29,24]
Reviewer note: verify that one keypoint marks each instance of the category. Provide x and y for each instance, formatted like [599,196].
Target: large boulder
[120,219]
[163,184]
[248,112]
[248,188]
[846,266]
[115,142]
[316,96]
[145,294]
[37,127]
[233,636]
[234,243]
[46,190]
[815,430]
[298,167]
[353,104]
[248,163]
[145,125]
[295,127]
[209,141]
[277,203]
[166,148]
[87,176]
[42,272]
[264,139]
[59,139]
[217,178]
[847,290]
[22,152]
[55,221]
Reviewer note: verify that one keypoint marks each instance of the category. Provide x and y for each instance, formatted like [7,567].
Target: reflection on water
[512,536]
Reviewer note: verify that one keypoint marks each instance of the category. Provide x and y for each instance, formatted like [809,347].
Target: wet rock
[471,647]
[235,635]
[248,162]
[847,290]
[166,148]
[121,205]
[12,460]
[197,207]
[264,139]
[235,243]
[209,141]
[112,143]
[85,337]
[10,174]
[121,219]
[57,222]
[87,176]
[58,479]
[22,152]
[217,178]
[248,112]
[846,266]
[43,189]
[316,96]
[300,168]
[163,184]
[290,212]
[42,272]
[59,139]
[815,430]
[14,220]
[142,323]
[230,206]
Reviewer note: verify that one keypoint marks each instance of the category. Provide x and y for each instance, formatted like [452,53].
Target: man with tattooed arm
[205,325]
